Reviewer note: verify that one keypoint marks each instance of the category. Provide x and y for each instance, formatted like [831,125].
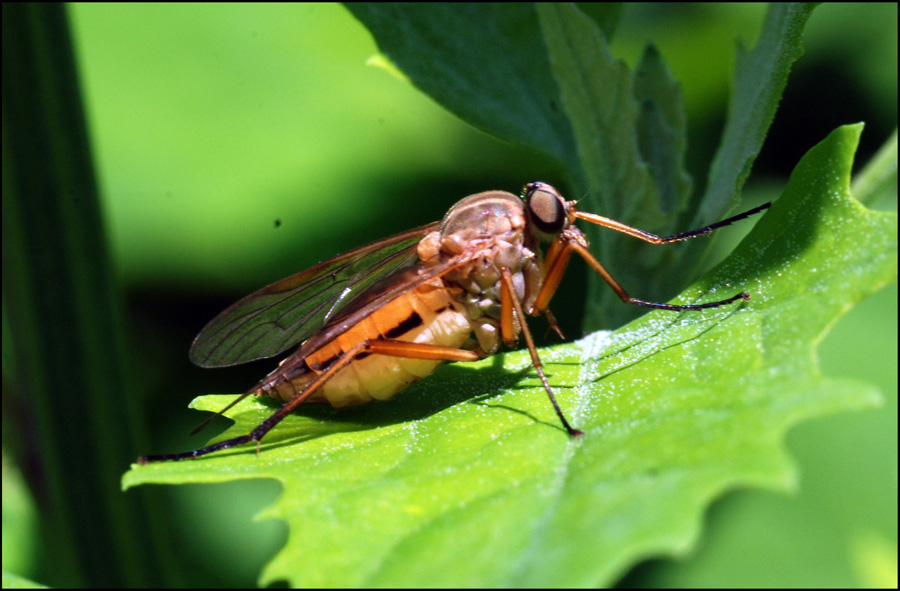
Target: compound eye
[546,207]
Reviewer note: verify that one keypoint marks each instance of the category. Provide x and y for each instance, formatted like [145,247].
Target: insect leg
[551,320]
[203,425]
[508,303]
[368,347]
[555,262]
[601,270]
[653,238]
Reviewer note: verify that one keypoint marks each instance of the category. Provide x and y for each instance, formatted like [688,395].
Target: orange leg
[572,239]
[551,320]
[508,303]
[368,347]
[555,263]
[601,270]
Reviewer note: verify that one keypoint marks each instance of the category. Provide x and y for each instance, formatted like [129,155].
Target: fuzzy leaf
[467,479]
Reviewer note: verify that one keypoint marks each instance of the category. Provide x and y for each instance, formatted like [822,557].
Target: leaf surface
[467,479]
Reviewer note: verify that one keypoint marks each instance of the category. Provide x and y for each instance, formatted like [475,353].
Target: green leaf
[468,479]
[598,102]
[877,183]
[11,581]
[444,55]
[759,81]
[662,131]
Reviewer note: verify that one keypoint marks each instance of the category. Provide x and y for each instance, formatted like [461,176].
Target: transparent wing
[374,299]
[283,314]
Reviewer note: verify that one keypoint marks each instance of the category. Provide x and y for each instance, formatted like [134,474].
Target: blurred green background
[238,144]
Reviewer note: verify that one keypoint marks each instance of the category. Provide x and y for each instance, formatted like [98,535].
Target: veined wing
[283,314]
[402,281]
[392,287]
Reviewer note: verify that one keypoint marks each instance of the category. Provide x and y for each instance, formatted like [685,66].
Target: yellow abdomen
[427,314]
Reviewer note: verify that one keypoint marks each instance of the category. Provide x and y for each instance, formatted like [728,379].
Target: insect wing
[403,281]
[289,311]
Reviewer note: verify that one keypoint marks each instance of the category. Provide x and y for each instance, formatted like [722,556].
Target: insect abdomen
[427,314]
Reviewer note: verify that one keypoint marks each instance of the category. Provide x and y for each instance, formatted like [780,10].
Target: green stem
[67,395]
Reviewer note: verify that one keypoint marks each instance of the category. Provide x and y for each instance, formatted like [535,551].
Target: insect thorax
[491,230]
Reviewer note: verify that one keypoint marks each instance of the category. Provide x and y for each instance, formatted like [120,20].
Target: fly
[373,320]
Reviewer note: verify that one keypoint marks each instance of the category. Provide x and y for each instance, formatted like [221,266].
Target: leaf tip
[379,60]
